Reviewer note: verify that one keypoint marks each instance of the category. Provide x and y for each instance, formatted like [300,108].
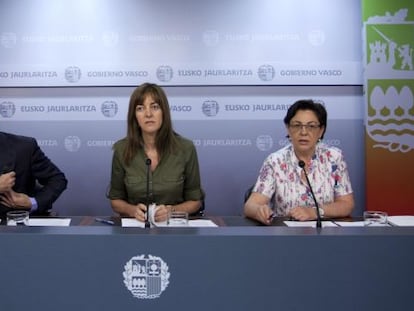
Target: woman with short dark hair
[283,176]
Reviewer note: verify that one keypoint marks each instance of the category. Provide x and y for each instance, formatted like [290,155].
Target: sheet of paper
[403,220]
[359,224]
[350,223]
[201,223]
[308,224]
[131,222]
[50,222]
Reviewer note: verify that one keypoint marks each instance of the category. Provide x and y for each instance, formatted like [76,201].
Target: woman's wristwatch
[321,212]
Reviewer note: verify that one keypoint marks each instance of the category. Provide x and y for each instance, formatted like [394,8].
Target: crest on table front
[146,276]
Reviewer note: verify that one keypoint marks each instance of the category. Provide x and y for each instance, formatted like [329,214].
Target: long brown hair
[165,141]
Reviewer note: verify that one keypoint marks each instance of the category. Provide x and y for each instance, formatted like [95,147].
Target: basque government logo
[389,71]
[164,73]
[72,143]
[146,277]
[391,122]
[7,109]
[266,72]
[316,37]
[264,142]
[109,108]
[211,38]
[110,38]
[8,39]
[73,74]
[210,108]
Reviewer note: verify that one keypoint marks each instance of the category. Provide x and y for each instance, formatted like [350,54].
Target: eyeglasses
[154,107]
[310,127]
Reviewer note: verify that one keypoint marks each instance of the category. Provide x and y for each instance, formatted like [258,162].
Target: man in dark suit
[28,178]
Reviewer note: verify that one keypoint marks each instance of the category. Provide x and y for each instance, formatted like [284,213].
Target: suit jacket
[36,175]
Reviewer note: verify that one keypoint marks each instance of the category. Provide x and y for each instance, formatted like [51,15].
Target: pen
[271,217]
[104,221]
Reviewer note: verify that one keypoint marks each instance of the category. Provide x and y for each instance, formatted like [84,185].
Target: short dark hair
[308,104]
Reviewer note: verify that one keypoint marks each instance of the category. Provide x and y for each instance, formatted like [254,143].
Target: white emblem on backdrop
[109,108]
[72,143]
[264,142]
[211,38]
[7,109]
[146,277]
[8,39]
[110,38]
[73,74]
[316,37]
[210,108]
[164,73]
[266,72]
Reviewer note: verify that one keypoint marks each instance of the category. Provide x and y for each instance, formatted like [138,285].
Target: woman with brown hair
[151,143]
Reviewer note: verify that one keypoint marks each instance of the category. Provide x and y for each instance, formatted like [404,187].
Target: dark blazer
[36,175]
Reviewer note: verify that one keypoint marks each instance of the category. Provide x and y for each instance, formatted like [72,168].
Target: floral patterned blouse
[281,175]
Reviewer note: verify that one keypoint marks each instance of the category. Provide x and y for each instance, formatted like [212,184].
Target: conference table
[238,265]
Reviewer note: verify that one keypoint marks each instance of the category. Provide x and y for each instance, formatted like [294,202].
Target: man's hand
[7,181]
[15,200]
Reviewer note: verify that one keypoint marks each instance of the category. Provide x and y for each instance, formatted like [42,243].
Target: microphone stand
[318,215]
[147,222]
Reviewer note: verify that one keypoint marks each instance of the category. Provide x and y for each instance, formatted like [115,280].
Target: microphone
[148,164]
[318,215]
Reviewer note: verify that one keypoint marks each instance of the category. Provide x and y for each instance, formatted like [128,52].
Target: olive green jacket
[176,179]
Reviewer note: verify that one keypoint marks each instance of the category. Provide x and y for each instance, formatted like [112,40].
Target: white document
[309,224]
[360,224]
[131,222]
[403,221]
[201,223]
[49,222]
[350,223]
